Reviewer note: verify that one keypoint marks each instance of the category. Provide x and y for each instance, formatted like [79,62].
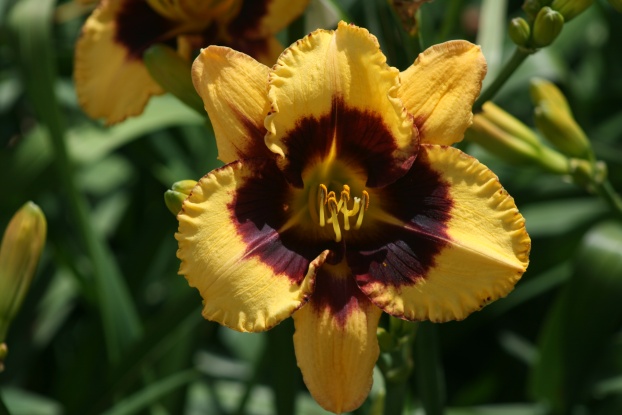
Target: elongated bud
[512,141]
[499,142]
[542,90]
[562,130]
[20,251]
[547,27]
[179,192]
[616,4]
[173,73]
[570,8]
[519,31]
[3,352]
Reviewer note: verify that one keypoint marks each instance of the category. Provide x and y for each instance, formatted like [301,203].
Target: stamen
[364,207]
[321,198]
[359,206]
[334,211]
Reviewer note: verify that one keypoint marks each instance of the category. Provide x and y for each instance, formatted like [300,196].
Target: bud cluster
[545,21]
[514,142]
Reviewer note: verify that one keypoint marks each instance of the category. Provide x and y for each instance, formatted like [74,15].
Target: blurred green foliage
[108,326]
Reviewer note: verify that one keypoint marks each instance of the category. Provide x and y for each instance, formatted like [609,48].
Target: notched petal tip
[482,255]
[439,89]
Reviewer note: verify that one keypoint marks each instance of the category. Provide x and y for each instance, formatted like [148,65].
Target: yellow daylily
[111,80]
[342,199]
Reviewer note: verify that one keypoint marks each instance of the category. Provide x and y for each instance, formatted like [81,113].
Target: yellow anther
[364,207]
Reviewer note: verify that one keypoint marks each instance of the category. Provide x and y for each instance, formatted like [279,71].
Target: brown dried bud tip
[406,10]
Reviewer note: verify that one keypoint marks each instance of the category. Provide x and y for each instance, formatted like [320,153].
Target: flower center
[203,11]
[326,202]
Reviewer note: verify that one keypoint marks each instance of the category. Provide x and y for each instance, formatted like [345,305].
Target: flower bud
[179,192]
[616,4]
[173,74]
[386,341]
[562,130]
[532,7]
[512,141]
[570,8]
[519,31]
[3,352]
[542,90]
[21,248]
[546,28]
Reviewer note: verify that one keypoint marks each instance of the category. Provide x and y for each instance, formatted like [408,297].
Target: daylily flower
[342,199]
[111,80]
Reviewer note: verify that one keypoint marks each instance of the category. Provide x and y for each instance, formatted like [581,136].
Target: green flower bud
[570,8]
[386,341]
[616,4]
[532,7]
[512,141]
[562,130]
[21,248]
[179,192]
[542,90]
[519,31]
[547,27]
[3,352]
[173,74]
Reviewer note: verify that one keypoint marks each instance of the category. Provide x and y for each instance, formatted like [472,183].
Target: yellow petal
[439,90]
[250,276]
[325,78]
[233,88]
[465,248]
[111,81]
[335,341]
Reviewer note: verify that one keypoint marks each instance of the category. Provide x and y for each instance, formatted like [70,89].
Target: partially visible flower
[21,248]
[342,198]
[111,80]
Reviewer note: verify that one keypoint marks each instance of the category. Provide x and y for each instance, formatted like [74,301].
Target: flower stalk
[396,362]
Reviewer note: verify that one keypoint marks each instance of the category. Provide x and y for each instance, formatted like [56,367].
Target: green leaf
[30,27]
[582,321]
[491,34]
[544,219]
[152,393]
[21,402]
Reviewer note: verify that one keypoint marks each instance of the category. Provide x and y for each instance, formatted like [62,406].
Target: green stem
[518,57]
[395,398]
[428,369]
[608,193]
